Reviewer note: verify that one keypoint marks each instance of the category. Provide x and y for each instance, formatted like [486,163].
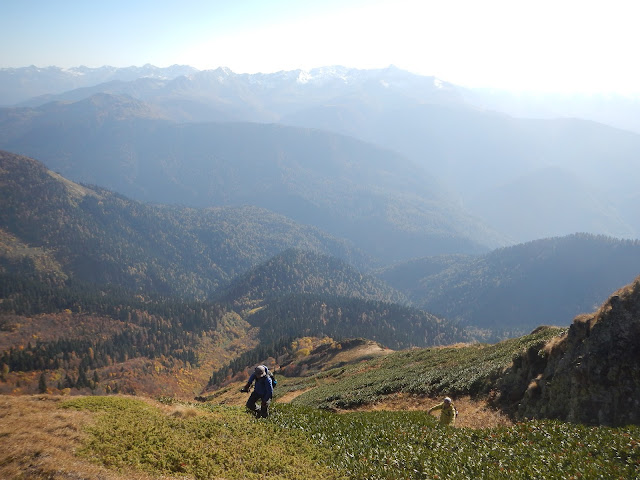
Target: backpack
[274,382]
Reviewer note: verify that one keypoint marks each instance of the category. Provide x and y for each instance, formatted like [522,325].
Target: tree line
[152,326]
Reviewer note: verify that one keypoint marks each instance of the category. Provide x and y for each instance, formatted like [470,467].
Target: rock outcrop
[589,375]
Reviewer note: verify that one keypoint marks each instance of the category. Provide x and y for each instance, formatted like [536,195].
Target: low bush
[299,442]
[410,445]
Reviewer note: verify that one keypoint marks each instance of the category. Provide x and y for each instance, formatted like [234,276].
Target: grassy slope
[455,370]
[119,437]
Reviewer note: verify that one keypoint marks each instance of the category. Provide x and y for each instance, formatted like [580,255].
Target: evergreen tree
[82,381]
[42,383]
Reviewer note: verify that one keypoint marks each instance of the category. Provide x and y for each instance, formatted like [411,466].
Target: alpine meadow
[349,248]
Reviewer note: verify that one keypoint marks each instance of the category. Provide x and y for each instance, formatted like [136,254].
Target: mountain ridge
[444,130]
[372,196]
[302,272]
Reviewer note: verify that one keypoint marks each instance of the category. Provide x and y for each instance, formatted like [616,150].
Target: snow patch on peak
[438,83]
[304,77]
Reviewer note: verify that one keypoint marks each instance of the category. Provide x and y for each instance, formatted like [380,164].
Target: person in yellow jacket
[448,412]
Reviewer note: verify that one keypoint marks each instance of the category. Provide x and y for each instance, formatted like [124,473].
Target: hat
[260,371]
[447,400]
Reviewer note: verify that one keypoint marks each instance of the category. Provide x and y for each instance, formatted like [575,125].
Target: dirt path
[471,413]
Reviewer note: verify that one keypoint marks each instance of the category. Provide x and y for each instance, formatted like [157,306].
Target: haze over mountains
[60,232]
[51,226]
[385,165]
[351,189]
[399,165]
[180,213]
[561,175]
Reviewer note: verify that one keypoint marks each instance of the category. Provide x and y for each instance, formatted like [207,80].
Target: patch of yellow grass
[353,355]
[39,441]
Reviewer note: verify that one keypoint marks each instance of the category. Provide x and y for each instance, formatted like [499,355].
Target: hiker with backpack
[262,390]
[448,412]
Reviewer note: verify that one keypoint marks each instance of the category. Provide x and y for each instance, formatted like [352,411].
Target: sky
[538,45]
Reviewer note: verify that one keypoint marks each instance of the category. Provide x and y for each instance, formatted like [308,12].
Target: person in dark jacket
[263,390]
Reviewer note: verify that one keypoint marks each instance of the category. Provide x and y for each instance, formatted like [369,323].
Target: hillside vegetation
[586,373]
[90,340]
[455,371]
[117,437]
[80,337]
[590,374]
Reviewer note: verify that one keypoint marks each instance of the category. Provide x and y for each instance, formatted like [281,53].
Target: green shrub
[392,445]
[216,442]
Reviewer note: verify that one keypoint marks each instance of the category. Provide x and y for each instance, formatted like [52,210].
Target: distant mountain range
[21,84]
[494,165]
[32,86]
[376,198]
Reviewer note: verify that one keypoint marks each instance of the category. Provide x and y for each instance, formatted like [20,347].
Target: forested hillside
[303,294]
[288,317]
[390,324]
[518,288]
[76,336]
[298,272]
[56,227]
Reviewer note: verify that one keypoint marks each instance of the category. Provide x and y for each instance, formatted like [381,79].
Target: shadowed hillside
[515,289]
[589,375]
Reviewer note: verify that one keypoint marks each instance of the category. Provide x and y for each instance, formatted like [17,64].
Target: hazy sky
[547,45]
